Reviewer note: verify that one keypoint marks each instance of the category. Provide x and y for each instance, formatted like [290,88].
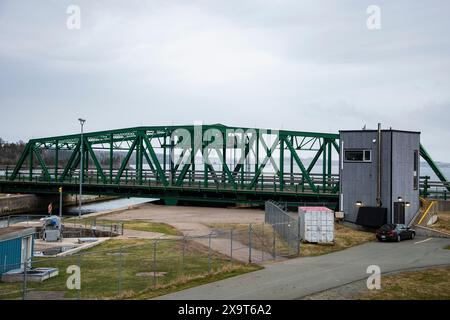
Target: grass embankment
[344,237]
[138,225]
[427,284]
[263,239]
[443,222]
[124,269]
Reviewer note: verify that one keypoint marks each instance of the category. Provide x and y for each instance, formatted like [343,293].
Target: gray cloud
[302,65]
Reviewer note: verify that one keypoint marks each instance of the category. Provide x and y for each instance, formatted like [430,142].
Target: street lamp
[82,121]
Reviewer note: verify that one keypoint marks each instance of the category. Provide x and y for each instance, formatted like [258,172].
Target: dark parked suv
[395,232]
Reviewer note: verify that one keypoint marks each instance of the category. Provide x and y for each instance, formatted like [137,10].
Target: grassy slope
[443,223]
[427,284]
[104,271]
[345,237]
[139,225]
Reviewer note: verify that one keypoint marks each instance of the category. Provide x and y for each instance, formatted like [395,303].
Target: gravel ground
[194,221]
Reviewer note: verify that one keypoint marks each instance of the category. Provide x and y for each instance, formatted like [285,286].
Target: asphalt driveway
[296,278]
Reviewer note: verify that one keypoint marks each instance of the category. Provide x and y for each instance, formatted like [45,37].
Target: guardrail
[434,189]
[69,223]
[268,181]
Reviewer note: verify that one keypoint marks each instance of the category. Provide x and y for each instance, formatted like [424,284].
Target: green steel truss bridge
[209,163]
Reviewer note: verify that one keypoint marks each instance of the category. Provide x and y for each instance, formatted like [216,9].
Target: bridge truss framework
[209,163]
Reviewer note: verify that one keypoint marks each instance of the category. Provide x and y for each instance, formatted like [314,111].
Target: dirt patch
[140,234]
[190,220]
[443,222]
[46,295]
[117,254]
[151,274]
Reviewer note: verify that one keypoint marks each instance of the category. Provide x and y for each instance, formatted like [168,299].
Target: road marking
[423,241]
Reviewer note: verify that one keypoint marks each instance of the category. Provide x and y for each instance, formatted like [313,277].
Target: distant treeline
[11,152]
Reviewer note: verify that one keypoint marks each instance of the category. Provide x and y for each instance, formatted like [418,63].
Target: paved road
[294,279]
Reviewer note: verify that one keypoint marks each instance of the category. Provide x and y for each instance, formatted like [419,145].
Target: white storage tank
[316,224]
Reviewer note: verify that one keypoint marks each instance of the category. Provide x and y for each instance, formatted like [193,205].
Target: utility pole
[60,201]
[379,166]
[82,121]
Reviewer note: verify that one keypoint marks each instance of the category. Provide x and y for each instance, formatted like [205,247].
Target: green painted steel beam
[96,163]
[131,133]
[70,163]
[42,164]
[316,157]
[239,179]
[425,155]
[125,161]
[155,161]
[301,166]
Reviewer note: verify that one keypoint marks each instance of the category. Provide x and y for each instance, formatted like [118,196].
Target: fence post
[231,246]
[79,266]
[25,276]
[289,238]
[262,242]
[184,253]
[154,263]
[273,244]
[250,243]
[298,236]
[209,253]
[119,282]
[425,187]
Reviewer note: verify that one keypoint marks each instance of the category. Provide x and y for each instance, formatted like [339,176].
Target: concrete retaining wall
[428,232]
[15,204]
[30,203]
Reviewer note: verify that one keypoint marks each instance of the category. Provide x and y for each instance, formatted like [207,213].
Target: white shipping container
[316,224]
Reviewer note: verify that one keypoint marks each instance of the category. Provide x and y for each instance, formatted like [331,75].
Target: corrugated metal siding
[10,254]
[402,176]
[359,180]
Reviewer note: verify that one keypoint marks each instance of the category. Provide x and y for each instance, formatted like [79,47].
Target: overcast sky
[300,65]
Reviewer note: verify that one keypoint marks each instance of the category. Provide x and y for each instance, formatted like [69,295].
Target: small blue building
[16,247]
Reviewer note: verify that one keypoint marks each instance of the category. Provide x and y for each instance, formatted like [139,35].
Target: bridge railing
[269,181]
[434,189]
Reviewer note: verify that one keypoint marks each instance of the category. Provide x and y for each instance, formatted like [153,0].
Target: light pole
[60,190]
[82,121]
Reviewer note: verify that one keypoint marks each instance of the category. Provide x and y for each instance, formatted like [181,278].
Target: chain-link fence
[72,227]
[284,223]
[136,268]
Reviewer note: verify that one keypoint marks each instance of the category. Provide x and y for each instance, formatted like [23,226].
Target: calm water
[71,211]
[107,205]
